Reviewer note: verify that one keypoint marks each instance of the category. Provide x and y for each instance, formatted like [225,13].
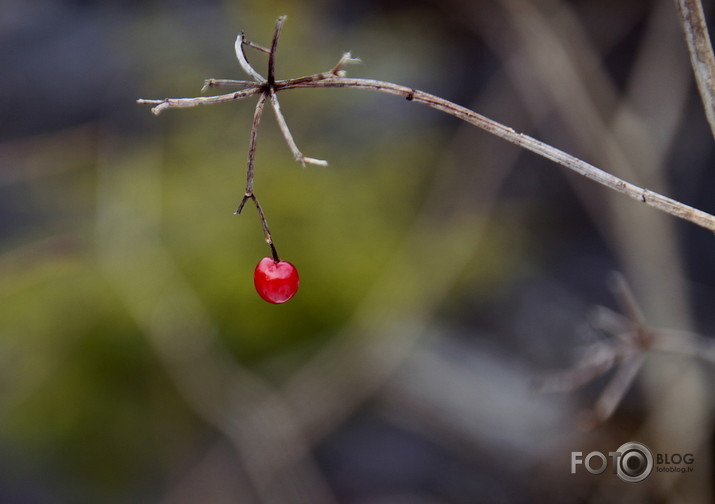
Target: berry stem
[266,231]
[264,222]
[249,194]
[274,253]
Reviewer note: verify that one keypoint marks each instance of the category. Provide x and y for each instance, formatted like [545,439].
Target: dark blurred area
[444,272]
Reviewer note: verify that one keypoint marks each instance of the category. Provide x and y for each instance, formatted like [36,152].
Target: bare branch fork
[268,88]
[631,340]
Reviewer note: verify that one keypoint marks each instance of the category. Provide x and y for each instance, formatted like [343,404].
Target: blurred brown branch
[702,58]
[632,340]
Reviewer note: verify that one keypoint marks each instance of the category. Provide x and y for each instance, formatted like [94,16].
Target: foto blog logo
[632,462]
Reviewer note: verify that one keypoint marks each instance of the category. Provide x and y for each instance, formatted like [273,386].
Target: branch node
[262,217]
[346,59]
[246,197]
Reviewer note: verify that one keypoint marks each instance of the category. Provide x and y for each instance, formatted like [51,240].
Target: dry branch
[336,79]
[692,18]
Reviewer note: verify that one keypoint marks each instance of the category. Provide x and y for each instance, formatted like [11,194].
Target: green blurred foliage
[82,390]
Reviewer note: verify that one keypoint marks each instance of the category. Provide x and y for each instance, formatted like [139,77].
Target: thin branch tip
[317,162]
[345,59]
[274,47]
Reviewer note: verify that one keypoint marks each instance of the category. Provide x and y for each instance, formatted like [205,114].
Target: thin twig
[283,125]
[631,309]
[167,103]
[692,18]
[346,59]
[252,147]
[274,47]
[616,389]
[264,223]
[211,83]
[609,322]
[596,364]
[685,343]
[255,46]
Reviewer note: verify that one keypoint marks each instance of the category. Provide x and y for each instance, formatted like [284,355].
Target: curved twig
[650,198]
[167,103]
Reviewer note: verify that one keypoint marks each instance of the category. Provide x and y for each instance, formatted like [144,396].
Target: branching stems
[265,87]
[335,78]
[264,222]
[249,194]
[625,352]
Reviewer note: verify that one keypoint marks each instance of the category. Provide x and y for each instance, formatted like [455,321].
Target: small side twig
[346,59]
[252,144]
[632,310]
[283,125]
[255,46]
[685,343]
[599,362]
[615,391]
[160,105]
[274,48]
[264,223]
[211,83]
[702,59]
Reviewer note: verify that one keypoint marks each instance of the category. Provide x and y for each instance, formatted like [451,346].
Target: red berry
[276,282]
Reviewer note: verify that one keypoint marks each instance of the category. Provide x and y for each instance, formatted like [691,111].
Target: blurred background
[443,271]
